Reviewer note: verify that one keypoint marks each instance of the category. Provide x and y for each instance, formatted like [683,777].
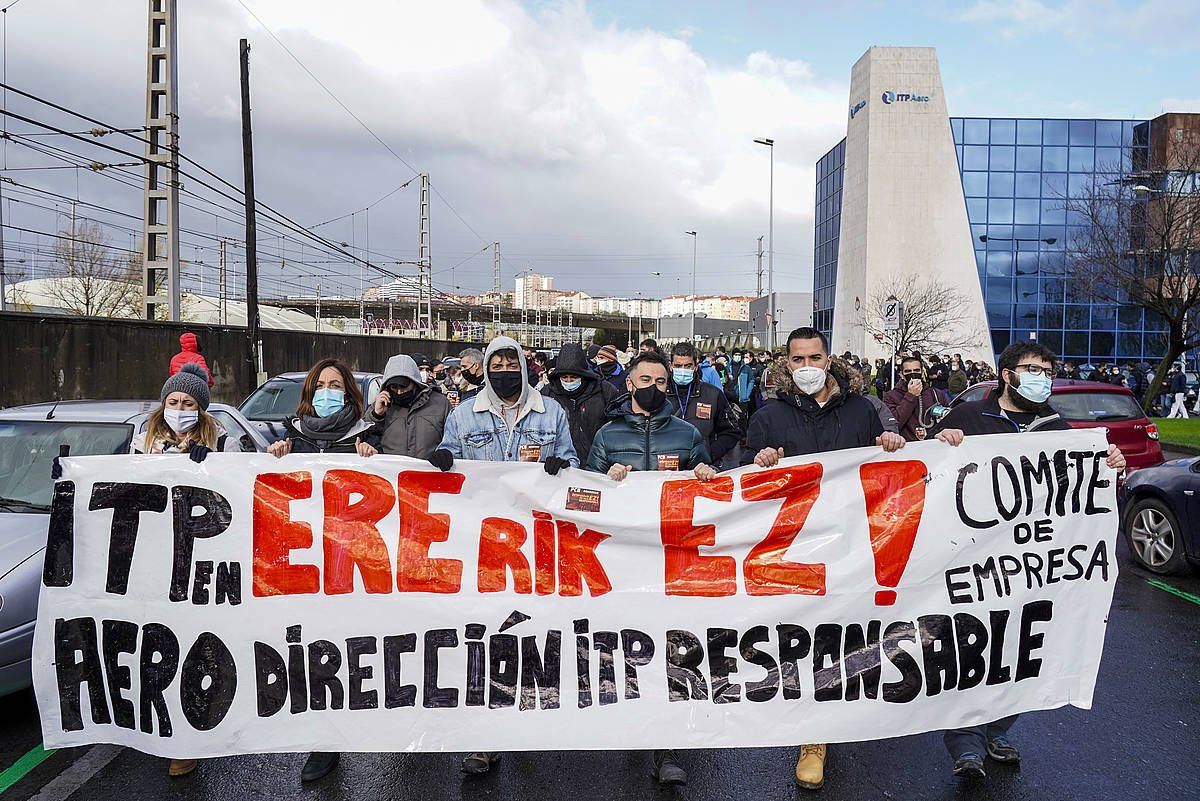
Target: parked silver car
[30,437]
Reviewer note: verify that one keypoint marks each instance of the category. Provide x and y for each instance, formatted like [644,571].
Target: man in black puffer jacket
[642,434]
[583,394]
[817,413]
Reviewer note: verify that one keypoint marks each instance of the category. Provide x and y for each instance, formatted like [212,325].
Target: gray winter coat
[414,430]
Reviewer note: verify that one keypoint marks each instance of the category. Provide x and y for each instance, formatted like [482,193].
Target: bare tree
[1138,242]
[93,281]
[935,316]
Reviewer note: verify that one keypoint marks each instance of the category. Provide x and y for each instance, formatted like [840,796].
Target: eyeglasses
[1036,369]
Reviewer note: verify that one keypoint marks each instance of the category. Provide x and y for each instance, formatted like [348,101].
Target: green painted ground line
[20,769]
[1162,585]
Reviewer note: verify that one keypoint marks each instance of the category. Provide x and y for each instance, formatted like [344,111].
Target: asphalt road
[1140,740]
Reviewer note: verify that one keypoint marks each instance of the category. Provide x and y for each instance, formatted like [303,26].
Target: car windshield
[1095,407]
[28,448]
[274,401]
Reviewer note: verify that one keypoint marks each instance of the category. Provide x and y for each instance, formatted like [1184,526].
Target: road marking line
[81,771]
[19,769]
[1162,585]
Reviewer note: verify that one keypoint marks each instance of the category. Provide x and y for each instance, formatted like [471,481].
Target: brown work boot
[810,768]
[181,767]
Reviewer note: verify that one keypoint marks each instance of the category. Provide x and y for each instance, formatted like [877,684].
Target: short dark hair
[685,349]
[1017,351]
[651,357]
[651,343]
[504,353]
[908,359]
[809,333]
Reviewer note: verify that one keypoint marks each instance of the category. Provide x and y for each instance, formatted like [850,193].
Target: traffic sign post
[893,316]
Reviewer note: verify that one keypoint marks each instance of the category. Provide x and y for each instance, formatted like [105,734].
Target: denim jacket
[475,431]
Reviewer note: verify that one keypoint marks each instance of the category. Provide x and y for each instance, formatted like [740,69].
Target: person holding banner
[181,424]
[329,419]
[814,412]
[584,396]
[329,416]
[1019,406]
[643,433]
[508,421]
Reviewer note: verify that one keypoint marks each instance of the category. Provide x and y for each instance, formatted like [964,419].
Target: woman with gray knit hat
[181,423]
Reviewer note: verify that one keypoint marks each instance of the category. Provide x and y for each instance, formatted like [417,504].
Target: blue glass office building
[1015,174]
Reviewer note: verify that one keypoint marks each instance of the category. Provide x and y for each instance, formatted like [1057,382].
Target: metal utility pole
[758,286]
[224,285]
[160,198]
[318,308]
[3,302]
[424,266]
[770,143]
[495,287]
[695,239]
[253,343]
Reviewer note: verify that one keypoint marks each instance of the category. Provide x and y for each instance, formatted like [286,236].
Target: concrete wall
[49,357]
[903,213]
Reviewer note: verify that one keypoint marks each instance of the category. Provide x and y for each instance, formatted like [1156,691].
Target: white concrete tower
[903,211]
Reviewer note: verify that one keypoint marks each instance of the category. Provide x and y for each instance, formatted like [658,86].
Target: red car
[1090,404]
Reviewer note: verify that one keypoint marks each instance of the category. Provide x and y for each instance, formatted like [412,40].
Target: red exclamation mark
[895,496]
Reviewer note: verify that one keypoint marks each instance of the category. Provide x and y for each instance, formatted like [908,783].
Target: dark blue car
[1161,515]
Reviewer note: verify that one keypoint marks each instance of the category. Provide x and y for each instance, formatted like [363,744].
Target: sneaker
[667,770]
[810,768]
[1001,750]
[480,762]
[969,766]
[318,765]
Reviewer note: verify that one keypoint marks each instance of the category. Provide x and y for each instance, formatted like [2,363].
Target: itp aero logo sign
[890,97]
[857,107]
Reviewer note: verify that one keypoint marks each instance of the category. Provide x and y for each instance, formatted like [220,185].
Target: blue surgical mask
[1035,387]
[572,385]
[682,375]
[328,401]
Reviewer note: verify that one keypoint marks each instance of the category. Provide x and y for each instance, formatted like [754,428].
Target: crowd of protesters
[613,412]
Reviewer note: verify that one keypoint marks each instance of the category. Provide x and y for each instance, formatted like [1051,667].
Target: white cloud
[547,132]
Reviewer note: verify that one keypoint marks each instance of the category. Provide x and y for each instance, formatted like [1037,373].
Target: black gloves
[553,464]
[442,459]
[198,453]
[56,465]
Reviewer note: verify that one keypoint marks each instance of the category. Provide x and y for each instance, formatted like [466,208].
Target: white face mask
[809,380]
[180,420]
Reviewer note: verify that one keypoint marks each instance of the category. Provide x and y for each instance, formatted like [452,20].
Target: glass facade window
[1015,177]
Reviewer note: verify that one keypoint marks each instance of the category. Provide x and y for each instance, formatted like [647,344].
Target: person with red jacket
[189,353]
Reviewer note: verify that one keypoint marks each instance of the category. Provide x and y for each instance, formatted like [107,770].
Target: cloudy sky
[584,137]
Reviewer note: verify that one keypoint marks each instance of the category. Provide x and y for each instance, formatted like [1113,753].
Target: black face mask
[402,394]
[471,378]
[606,368]
[650,398]
[506,384]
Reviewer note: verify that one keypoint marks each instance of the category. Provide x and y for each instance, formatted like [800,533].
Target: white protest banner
[345,604]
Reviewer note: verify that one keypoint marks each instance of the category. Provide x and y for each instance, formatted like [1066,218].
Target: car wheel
[1155,537]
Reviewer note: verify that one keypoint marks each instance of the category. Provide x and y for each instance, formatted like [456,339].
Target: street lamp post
[695,239]
[770,143]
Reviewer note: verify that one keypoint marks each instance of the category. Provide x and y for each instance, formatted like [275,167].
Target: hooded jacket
[476,429]
[798,424]
[414,429]
[707,408]
[659,442]
[586,407]
[189,351]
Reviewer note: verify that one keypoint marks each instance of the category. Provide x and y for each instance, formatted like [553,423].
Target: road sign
[893,312]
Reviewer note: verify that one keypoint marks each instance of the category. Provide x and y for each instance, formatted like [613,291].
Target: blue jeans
[974,739]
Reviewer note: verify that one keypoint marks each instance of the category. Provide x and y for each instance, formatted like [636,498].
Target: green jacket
[633,439]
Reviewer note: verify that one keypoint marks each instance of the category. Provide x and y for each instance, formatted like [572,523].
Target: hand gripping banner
[337,603]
